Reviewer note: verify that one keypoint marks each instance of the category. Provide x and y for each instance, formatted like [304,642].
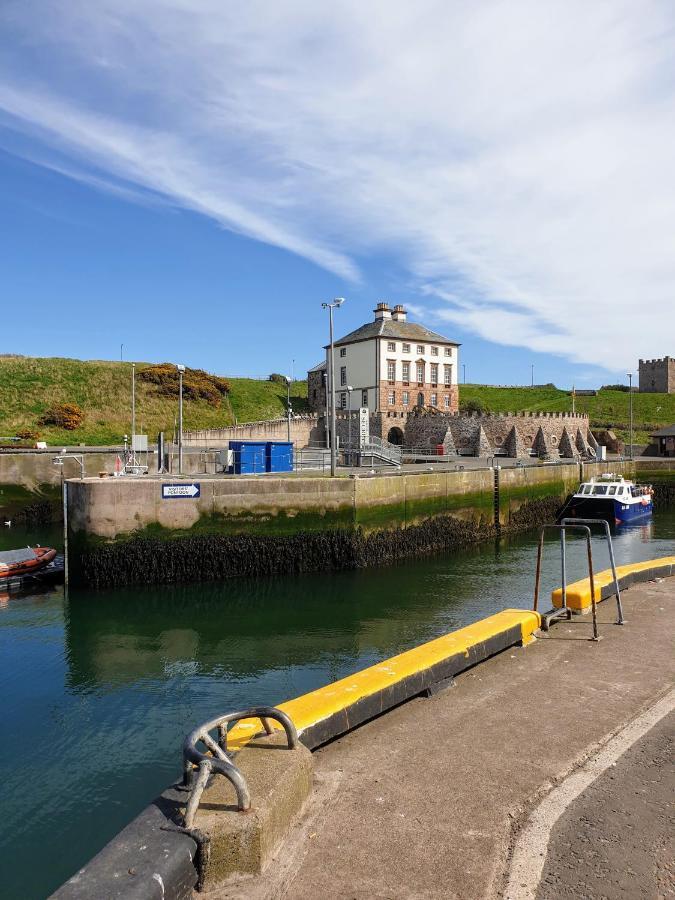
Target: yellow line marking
[579,592]
[324,702]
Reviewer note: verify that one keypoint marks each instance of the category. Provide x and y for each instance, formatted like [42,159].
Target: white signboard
[180,491]
[364,426]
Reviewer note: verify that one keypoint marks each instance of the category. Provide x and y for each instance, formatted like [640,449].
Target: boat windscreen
[600,489]
[10,557]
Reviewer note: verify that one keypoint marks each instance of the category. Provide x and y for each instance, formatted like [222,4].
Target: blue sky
[192,179]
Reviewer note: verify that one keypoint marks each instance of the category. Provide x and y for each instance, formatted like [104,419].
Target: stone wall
[556,434]
[657,376]
[304,429]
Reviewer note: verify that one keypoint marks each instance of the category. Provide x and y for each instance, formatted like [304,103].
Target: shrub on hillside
[615,387]
[197,384]
[277,378]
[468,407]
[63,415]
[25,434]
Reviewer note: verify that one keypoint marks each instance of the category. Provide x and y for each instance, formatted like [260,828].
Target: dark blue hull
[610,509]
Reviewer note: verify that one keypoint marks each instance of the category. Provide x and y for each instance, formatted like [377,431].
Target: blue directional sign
[181,491]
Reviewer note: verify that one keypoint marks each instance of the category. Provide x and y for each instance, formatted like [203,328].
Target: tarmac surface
[617,840]
[428,800]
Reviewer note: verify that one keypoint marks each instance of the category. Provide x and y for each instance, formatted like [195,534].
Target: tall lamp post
[630,406]
[532,379]
[337,302]
[181,369]
[288,407]
[349,423]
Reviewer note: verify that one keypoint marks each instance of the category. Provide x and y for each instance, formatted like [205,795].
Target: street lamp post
[181,369]
[349,424]
[337,302]
[630,406]
[288,407]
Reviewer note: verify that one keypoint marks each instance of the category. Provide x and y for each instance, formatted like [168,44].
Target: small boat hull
[610,509]
[33,562]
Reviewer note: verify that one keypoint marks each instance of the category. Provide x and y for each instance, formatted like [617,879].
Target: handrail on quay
[219,762]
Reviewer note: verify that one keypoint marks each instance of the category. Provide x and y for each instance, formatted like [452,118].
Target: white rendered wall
[360,362]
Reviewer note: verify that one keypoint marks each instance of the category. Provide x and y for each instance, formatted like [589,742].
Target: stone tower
[657,376]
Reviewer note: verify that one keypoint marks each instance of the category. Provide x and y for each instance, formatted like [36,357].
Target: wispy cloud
[514,156]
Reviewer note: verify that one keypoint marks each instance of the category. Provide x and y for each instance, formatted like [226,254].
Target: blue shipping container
[279,456]
[249,457]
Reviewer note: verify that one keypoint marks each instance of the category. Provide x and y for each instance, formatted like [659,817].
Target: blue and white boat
[613,498]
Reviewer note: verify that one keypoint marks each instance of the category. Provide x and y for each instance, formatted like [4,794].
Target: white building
[391,365]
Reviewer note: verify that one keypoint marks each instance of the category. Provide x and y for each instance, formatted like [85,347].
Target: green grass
[609,409]
[103,391]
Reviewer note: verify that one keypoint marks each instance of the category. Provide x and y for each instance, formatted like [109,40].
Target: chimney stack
[382,311]
[399,315]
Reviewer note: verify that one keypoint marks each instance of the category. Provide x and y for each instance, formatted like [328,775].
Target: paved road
[426,801]
[617,840]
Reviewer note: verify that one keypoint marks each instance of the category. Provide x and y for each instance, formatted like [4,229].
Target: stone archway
[395,436]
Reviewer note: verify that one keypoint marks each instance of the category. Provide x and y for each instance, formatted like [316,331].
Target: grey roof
[388,328]
[668,431]
[318,367]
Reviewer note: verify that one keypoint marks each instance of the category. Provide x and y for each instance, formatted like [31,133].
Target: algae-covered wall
[123,531]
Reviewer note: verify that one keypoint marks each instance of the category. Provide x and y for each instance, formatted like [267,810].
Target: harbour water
[99,688]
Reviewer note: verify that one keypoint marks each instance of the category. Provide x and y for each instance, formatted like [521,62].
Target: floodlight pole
[181,369]
[133,404]
[337,302]
[288,407]
[630,406]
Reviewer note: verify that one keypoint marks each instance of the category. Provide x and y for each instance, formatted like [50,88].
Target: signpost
[181,491]
[364,426]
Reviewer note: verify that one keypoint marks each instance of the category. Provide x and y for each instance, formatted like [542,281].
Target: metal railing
[219,762]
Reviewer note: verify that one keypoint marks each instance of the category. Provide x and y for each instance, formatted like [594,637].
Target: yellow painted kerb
[579,592]
[311,708]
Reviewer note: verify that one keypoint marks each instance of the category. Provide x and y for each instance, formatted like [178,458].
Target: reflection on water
[101,688]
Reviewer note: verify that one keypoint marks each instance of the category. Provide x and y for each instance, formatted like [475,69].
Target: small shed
[664,439]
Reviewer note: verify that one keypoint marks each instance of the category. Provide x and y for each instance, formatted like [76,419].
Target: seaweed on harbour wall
[664,494]
[148,560]
[36,514]
[534,513]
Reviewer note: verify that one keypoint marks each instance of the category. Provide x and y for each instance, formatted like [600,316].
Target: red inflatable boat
[27,561]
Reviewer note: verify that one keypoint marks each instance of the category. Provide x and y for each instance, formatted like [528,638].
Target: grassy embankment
[609,409]
[102,389]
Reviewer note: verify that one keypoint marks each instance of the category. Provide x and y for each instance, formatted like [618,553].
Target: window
[612,490]
[391,370]
[364,398]
[447,351]
[587,488]
[405,348]
[343,351]
[620,491]
[405,398]
[600,489]
[434,373]
[343,400]
[420,348]
[446,401]
[405,372]
[343,374]
[447,374]
[391,347]
[434,400]
[420,373]
[434,351]
[392,398]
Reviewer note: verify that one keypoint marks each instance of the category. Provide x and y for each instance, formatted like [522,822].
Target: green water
[98,690]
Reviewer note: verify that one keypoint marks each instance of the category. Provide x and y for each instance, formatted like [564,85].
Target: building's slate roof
[319,367]
[668,431]
[388,328]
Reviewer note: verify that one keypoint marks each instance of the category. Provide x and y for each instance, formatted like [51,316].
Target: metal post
[630,393]
[181,369]
[592,581]
[464,371]
[349,424]
[64,491]
[325,387]
[133,404]
[532,367]
[288,408]
[332,396]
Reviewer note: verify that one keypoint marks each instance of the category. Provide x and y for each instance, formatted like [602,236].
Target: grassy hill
[609,409]
[28,386]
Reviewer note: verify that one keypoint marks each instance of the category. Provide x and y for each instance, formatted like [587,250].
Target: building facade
[391,365]
[657,376]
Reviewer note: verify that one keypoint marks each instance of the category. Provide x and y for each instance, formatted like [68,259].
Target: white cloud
[515,156]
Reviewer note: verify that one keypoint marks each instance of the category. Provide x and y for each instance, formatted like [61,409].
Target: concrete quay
[440,796]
